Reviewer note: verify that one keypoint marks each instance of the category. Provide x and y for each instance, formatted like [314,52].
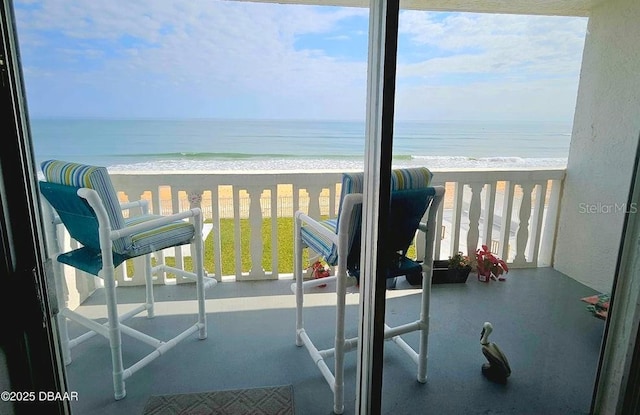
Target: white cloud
[177,50]
[508,100]
[497,43]
[477,66]
[218,58]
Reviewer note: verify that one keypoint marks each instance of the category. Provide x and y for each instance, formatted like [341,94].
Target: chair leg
[341,292]
[148,279]
[63,324]
[115,337]
[64,338]
[424,331]
[298,274]
[199,270]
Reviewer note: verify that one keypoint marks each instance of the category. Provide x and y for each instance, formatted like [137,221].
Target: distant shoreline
[240,145]
[315,164]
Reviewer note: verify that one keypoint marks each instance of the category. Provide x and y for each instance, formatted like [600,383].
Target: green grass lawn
[284,245]
[227,235]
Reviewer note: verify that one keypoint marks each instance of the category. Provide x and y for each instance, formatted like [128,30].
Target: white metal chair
[86,203]
[338,241]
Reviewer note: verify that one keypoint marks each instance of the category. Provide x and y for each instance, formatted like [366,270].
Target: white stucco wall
[603,146]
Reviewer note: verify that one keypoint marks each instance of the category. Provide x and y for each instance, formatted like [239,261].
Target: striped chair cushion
[318,243]
[175,233]
[172,234]
[401,179]
[92,177]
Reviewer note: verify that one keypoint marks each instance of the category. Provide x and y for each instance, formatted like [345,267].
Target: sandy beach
[284,191]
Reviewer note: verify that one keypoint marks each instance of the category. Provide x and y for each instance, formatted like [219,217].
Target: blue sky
[232,59]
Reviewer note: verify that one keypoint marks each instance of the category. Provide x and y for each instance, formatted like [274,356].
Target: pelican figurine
[498,369]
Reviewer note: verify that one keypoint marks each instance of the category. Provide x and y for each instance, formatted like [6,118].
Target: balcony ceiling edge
[528,7]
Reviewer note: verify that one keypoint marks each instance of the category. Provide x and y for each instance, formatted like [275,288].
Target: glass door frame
[29,346]
[31,362]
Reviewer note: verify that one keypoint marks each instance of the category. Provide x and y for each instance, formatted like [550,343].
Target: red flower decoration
[489,266]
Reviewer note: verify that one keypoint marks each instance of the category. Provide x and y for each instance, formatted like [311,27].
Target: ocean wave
[203,156]
[187,155]
[334,163]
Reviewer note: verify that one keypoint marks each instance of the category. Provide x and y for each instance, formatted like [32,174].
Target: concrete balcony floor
[551,341]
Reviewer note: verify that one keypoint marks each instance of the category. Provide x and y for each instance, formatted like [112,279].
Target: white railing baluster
[132,192]
[490,212]
[507,211]
[194,200]
[522,235]
[175,208]
[216,238]
[256,270]
[547,243]
[456,217]
[439,235]
[274,232]
[296,197]
[314,201]
[156,209]
[473,234]
[332,202]
[236,232]
[536,222]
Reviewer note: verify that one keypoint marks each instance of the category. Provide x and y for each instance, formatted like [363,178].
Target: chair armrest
[309,221]
[348,204]
[428,227]
[152,224]
[144,204]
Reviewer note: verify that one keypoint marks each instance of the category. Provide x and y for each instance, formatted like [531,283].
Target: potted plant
[489,266]
[456,269]
[318,270]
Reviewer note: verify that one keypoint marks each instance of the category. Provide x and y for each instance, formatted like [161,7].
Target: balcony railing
[513,211]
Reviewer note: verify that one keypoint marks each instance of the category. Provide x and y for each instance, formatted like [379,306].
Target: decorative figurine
[498,369]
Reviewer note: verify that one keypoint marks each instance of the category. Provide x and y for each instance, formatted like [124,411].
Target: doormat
[275,400]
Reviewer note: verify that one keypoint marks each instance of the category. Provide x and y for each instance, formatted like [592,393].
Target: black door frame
[33,365]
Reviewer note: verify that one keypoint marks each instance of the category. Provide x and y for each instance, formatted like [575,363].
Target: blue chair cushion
[88,259]
[407,208]
[63,181]
[97,178]
[74,211]
[401,179]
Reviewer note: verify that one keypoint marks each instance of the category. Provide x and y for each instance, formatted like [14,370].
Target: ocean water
[216,144]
